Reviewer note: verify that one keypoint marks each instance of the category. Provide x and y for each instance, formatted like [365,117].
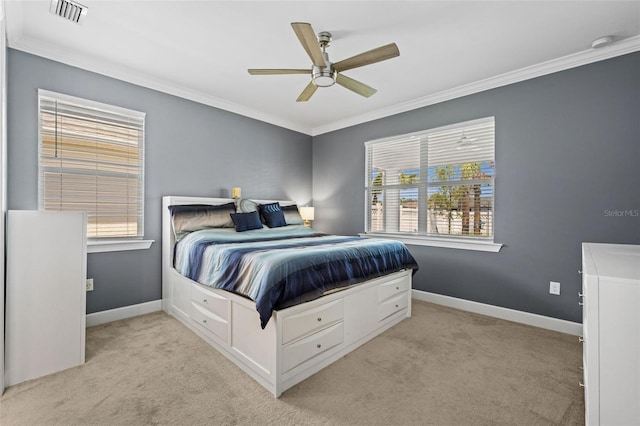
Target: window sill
[102,246]
[440,242]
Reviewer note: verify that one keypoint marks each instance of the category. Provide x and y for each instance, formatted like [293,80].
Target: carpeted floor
[440,367]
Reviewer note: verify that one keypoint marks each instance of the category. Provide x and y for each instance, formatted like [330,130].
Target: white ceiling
[201,50]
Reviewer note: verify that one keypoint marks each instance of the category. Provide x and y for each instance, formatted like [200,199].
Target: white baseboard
[102,317]
[535,320]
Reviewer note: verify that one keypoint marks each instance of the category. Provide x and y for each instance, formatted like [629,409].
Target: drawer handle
[318,346]
[204,300]
[581,384]
[204,321]
[319,319]
[397,288]
[396,306]
[580,339]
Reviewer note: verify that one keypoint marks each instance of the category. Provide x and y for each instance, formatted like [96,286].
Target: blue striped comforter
[280,267]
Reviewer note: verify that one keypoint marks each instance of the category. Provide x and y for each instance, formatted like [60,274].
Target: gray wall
[567,149]
[191,149]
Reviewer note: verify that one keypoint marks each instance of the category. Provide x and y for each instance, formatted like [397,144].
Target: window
[91,158]
[433,185]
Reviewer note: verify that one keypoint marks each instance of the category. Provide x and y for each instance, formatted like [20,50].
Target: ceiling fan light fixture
[323,76]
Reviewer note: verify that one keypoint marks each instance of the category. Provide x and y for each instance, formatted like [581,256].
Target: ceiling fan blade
[307,92]
[307,37]
[355,85]
[372,56]
[278,71]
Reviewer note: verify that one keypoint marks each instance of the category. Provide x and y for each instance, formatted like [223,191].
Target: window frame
[100,244]
[463,242]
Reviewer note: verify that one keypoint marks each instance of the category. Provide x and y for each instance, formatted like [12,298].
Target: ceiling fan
[325,73]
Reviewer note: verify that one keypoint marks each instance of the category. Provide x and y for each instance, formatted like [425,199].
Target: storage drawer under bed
[210,301]
[210,311]
[390,289]
[392,305]
[303,350]
[307,322]
[210,322]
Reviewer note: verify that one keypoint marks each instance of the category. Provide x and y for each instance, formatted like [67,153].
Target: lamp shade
[307,213]
[236,192]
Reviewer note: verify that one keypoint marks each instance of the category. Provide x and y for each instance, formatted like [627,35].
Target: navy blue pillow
[246,221]
[272,215]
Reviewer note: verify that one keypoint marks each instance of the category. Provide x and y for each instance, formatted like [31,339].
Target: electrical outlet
[89,284]
[554,288]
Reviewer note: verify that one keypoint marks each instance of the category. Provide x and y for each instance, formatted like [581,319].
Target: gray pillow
[246,205]
[292,215]
[193,217]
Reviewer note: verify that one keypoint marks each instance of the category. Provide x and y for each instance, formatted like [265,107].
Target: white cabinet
[45,293]
[611,329]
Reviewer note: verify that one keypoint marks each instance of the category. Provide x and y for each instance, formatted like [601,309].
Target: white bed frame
[298,341]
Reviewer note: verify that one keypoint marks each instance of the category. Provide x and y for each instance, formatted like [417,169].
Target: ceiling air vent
[69,10]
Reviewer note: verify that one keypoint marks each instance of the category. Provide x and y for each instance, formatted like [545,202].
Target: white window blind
[437,182]
[91,158]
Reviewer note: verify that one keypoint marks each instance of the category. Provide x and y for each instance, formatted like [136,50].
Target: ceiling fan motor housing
[324,38]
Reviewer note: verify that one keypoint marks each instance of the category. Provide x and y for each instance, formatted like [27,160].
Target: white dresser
[45,300]
[611,332]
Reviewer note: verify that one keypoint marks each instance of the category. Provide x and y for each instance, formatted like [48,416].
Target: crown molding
[57,54]
[622,47]
[15,11]
[17,41]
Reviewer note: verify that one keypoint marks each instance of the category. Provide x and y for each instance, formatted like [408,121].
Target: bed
[264,300]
